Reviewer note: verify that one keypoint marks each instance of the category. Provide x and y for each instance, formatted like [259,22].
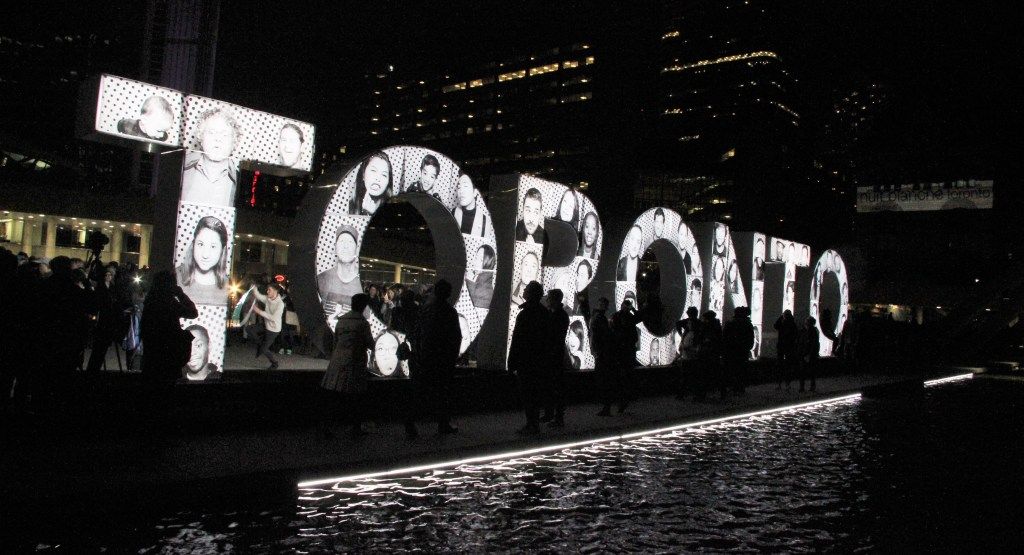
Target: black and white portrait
[203,274]
[529,270]
[199,367]
[721,238]
[584,273]
[530,227]
[468,215]
[569,209]
[385,353]
[627,266]
[427,178]
[759,259]
[659,223]
[289,145]
[589,233]
[655,352]
[694,293]
[211,173]
[339,283]
[480,283]
[733,277]
[156,117]
[575,343]
[374,184]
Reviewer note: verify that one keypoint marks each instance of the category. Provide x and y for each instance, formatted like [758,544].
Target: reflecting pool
[939,470]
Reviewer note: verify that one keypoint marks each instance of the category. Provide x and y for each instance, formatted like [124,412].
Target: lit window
[512,75]
[669,35]
[540,70]
[454,87]
[589,60]
[481,82]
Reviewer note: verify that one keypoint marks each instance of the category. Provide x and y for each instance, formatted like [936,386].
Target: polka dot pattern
[122,99]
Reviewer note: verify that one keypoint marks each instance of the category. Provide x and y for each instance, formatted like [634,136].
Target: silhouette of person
[346,376]
[710,353]
[527,358]
[809,346]
[436,344]
[785,350]
[624,339]
[554,412]
[738,341]
[168,347]
[602,345]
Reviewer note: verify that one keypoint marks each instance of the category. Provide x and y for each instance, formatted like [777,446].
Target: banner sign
[949,195]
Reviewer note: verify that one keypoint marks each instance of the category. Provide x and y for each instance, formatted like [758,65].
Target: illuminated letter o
[452,206]
[681,274]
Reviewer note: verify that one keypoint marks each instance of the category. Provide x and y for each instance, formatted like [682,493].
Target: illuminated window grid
[512,75]
[722,60]
[540,70]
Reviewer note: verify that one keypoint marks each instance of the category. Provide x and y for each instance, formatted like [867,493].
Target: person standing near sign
[168,347]
[526,356]
[346,376]
[272,315]
[436,343]
[554,411]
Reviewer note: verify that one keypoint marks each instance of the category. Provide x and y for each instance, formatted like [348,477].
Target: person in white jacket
[273,315]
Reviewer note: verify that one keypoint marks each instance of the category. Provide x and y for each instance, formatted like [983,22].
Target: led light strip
[574,444]
[947,379]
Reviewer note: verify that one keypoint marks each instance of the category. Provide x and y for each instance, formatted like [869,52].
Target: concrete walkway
[37,468]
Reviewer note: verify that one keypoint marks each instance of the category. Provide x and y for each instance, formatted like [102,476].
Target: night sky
[949,66]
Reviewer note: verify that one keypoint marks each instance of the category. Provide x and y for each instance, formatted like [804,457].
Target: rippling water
[939,471]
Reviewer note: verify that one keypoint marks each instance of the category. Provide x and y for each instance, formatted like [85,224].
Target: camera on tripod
[95,242]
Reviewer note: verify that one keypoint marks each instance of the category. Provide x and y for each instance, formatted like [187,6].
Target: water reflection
[771,482]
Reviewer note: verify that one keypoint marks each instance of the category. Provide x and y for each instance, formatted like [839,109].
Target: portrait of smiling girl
[203,274]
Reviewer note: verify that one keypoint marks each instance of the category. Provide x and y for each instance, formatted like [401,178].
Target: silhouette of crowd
[58,309]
